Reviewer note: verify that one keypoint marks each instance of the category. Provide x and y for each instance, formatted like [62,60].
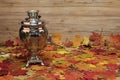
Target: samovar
[33,34]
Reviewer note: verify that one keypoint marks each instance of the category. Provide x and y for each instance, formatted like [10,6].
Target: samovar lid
[33,20]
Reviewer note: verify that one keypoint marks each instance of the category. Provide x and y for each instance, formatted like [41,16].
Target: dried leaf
[57,38]
[68,43]
[9,43]
[77,41]
[17,41]
[86,41]
[36,67]
[18,72]
[50,47]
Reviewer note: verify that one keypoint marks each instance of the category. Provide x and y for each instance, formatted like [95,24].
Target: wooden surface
[68,17]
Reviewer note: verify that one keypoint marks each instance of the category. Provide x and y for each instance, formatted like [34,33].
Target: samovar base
[34,59]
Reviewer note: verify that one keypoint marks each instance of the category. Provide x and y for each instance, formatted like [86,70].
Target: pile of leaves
[81,58]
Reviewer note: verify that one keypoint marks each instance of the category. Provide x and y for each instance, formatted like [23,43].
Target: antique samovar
[33,34]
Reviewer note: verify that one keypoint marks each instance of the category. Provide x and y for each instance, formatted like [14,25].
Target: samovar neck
[33,14]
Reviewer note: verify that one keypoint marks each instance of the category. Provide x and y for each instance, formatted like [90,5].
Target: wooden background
[68,17]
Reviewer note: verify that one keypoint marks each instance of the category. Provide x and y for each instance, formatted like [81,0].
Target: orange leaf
[57,38]
[77,41]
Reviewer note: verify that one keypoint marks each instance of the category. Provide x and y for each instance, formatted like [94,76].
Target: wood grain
[67,17]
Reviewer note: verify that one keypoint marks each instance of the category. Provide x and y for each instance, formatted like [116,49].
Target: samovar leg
[27,64]
[34,59]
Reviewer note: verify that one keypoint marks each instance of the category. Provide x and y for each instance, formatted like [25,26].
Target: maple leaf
[46,55]
[77,41]
[115,39]
[17,41]
[77,52]
[8,77]
[94,36]
[68,43]
[3,72]
[73,75]
[20,52]
[52,76]
[98,51]
[86,41]
[89,75]
[47,62]
[97,39]
[50,47]
[9,43]
[42,72]
[108,74]
[4,67]
[112,66]
[93,61]
[56,38]
[73,61]
[36,67]
[58,55]
[18,72]
[62,51]
[61,63]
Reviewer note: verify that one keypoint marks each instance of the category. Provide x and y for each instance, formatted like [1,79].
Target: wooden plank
[68,17]
[76,11]
[59,3]
[65,19]
[61,27]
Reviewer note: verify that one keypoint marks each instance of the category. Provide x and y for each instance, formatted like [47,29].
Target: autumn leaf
[61,63]
[97,39]
[8,77]
[73,75]
[108,74]
[77,40]
[68,43]
[17,41]
[9,43]
[52,77]
[36,67]
[86,41]
[18,72]
[58,55]
[50,47]
[112,66]
[3,72]
[62,51]
[115,39]
[89,75]
[94,36]
[56,38]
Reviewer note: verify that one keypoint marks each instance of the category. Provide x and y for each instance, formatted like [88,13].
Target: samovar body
[33,34]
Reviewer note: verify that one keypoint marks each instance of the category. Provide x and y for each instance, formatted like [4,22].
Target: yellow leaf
[57,38]
[86,41]
[92,66]
[103,62]
[36,67]
[61,51]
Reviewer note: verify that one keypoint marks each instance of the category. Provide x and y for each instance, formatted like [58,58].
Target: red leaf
[89,75]
[58,55]
[68,43]
[18,72]
[112,66]
[73,75]
[94,36]
[9,43]
[3,72]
